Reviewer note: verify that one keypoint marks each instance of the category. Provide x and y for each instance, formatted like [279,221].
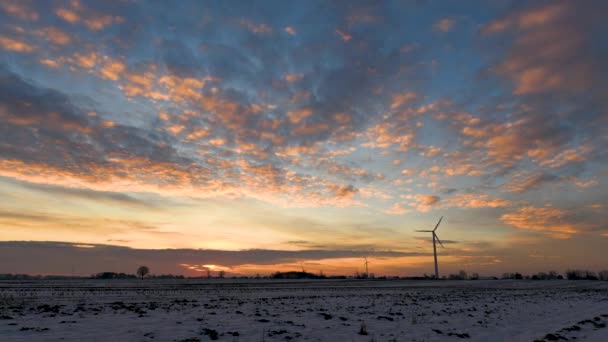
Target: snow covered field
[322,310]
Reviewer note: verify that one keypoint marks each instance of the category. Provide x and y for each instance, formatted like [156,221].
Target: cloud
[427,199]
[52,257]
[67,15]
[397,209]
[77,13]
[101,156]
[87,194]
[290,30]
[112,70]
[293,77]
[54,35]
[522,182]
[344,36]
[569,156]
[60,224]
[585,184]
[420,202]
[551,48]
[528,135]
[444,25]
[261,28]
[475,201]
[425,203]
[549,220]
[11,44]
[19,9]
[401,99]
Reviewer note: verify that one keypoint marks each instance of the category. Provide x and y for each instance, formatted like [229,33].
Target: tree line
[144,272]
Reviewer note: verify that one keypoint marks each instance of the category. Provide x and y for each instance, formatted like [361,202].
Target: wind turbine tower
[435,240]
[366,271]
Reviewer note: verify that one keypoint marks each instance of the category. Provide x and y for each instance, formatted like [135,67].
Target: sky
[263,136]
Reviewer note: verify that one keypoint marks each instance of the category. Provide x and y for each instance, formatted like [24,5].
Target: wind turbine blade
[424,231]
[438,223]
[437,237]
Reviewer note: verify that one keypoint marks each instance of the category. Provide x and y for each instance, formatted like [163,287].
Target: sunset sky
[279,135]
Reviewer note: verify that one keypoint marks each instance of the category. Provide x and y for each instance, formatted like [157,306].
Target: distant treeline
[102,275]
[571,274]
[8,276]
[586,274]
[113,275]
[297,275]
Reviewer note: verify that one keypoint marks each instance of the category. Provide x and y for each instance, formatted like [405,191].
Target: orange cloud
[422,202]
[49,63]
[510,142]
[298,115]
[290,30]
[526,19]
[293,77]
[544,219]
[524,181]
[387,134]
[67,15]
[547,52]
[430,151]
[54,35]
[396,209]
[94,21]
[15,45]
[198,134]
[586,184]
[297,150]
[444,25]
[540,16]
[456,170]
[310,129]
[344,36]
[85,60]
[19,10]
[183,88]
[401,99]
[347,171]
[99,22]
[175,129]
[137,84]
[112,70]
[342,118]
[475,201]
[566,157]
[341,152]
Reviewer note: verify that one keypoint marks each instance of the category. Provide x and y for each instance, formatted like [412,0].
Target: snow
[320,310]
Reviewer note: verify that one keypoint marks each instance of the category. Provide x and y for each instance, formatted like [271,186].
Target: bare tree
[142,271]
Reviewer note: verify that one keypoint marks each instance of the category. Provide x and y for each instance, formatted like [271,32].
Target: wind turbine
[435,239]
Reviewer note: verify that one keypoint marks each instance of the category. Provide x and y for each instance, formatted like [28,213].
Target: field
[321,310]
